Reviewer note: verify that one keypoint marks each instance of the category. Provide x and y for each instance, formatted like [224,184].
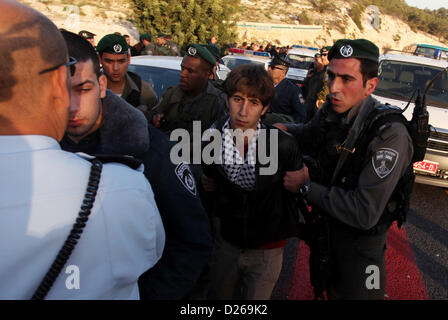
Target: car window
[232,63]
[159,78]
[400,79]
[299,61]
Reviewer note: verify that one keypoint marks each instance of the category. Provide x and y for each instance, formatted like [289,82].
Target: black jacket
[267,214]
[124,131]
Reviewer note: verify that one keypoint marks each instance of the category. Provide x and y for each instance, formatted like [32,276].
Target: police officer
[355,178]
[114,56]
[287,100]
[42,187]
[164,47]
[89,36]
[118,129]
[194,99]
[174,48]
[144,47]
[316,83]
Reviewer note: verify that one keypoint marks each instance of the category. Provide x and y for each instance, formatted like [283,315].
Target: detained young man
[255,212]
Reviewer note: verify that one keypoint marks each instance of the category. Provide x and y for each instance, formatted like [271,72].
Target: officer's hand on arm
[294,179]
[280,126]
[208,183]
[157,119]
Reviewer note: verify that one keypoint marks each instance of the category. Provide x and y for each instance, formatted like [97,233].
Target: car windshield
[397,79]
[159,78]
[299,61]
[232,63]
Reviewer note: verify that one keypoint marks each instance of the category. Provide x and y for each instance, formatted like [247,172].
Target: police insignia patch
[384,161]
[346,51]
[185,176]
[117,48]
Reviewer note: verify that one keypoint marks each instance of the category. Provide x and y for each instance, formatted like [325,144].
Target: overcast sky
[430,4]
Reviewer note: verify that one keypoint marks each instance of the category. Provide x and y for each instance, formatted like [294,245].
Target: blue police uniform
[125,131]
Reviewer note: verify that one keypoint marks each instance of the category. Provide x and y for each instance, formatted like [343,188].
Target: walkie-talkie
[420,127]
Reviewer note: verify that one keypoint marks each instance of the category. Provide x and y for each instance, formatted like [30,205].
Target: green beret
[197,50]
[145,36]
[112,43]
[359,48]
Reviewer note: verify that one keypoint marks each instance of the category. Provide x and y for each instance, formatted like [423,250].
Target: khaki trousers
[244,274]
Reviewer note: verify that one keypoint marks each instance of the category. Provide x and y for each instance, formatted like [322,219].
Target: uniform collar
[281,83]
[129,87]
[25,143]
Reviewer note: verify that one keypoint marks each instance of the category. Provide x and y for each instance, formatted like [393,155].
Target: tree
[188,21]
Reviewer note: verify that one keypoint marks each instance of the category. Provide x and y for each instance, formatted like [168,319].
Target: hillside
[282,22]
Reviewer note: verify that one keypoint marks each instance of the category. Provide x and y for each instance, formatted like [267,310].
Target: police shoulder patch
[185,176]
[384,161]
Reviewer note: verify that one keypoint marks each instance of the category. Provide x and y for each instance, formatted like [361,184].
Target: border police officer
[119,129]
[113,51]
[194,99]
[355,178]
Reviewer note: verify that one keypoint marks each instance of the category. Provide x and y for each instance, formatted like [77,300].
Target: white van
[399,76]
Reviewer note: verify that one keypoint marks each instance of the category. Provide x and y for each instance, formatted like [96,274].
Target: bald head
[29,42]
[31,103]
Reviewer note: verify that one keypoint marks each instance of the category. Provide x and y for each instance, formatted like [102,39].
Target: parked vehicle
[163,72]
[400,76]
[237,57]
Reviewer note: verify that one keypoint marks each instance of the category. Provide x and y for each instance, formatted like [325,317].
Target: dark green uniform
[139,93]
[358,200]
[167,49]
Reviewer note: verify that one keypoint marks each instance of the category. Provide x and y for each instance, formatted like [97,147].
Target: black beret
[359,48]
[197,50]
[112,43]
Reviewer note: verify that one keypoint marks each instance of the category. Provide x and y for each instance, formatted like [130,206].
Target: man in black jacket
[102,123]
[256,212]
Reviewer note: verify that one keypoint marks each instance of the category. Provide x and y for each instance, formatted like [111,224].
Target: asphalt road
[427,230]
[417,254]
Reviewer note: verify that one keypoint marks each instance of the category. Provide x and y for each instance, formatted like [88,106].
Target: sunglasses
[324,54]
[71,63]
[274,67]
